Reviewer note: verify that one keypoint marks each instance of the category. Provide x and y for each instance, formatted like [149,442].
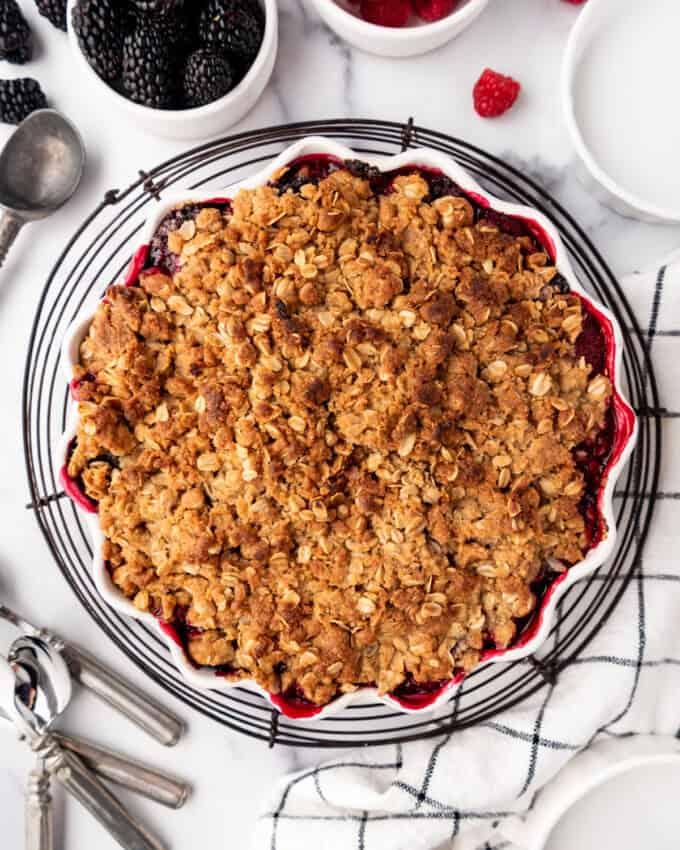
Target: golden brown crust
[339,436]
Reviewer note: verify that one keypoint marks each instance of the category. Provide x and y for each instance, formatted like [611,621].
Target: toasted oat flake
[366,605]
[540,384]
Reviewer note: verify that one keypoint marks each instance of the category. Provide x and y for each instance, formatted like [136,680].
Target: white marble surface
[315,77]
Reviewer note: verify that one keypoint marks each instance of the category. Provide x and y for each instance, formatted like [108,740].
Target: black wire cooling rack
[97,255]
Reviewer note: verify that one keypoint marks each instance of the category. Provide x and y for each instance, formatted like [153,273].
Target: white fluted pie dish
[623,439]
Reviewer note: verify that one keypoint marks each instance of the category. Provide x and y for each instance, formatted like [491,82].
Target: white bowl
[604,18]
[200,122]
[345,20]
[205,678]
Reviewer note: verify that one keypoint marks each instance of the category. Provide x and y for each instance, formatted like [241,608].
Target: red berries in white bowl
[398,27]
[434,10]
[398,13]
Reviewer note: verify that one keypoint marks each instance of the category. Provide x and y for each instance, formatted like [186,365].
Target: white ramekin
[396,42]
[205,678]
[595,16]
[200,122]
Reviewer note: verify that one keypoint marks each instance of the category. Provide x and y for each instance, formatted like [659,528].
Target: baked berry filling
[76,383]
[75,487]
[159,255]
[593,457]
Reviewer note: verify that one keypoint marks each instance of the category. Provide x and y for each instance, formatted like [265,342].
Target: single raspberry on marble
[494,94]
[575,2]
[386,13]
[434,10]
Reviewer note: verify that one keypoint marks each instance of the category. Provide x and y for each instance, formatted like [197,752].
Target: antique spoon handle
[39,826]
[143,711]
[10,226]
[133,775]
[81,783]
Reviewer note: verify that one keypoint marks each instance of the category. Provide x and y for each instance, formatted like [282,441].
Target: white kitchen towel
[460,790]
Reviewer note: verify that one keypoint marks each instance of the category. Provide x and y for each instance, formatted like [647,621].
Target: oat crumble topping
[337,440]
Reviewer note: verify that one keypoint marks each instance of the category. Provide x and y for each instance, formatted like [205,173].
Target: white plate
[591,792]
[620,94]
[205,678]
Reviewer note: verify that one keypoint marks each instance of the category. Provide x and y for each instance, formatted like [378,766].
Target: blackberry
[54,11]
[148,74]
[302,173]
[15,36]
[515,227]
[358,168]
[99,26]
[159,254]
[18,98]
[442,186]
[233,27]
[257,10]
[158,7]
[178,33]
[207,77]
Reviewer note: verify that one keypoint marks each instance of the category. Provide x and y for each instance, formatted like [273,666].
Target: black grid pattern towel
[459,790]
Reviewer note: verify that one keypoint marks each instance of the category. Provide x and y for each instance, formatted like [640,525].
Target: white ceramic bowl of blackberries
[182,69]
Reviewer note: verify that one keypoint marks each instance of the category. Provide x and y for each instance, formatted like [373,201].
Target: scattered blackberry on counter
[99,26]
[18,98]
[54,11]
[233,27]
[207,77]
[15,36]
[148,73]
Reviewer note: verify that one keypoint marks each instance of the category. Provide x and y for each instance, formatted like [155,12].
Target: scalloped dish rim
[626,431]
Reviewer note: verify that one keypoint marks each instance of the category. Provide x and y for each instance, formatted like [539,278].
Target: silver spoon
[44,686]
[40,168]
[121,695]
[69,769]
[128,773]
[43,677]
[27,654]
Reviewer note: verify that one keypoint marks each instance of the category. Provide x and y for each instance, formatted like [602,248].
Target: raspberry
[386,13]
[434,10]
[575,2]
[494,94]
